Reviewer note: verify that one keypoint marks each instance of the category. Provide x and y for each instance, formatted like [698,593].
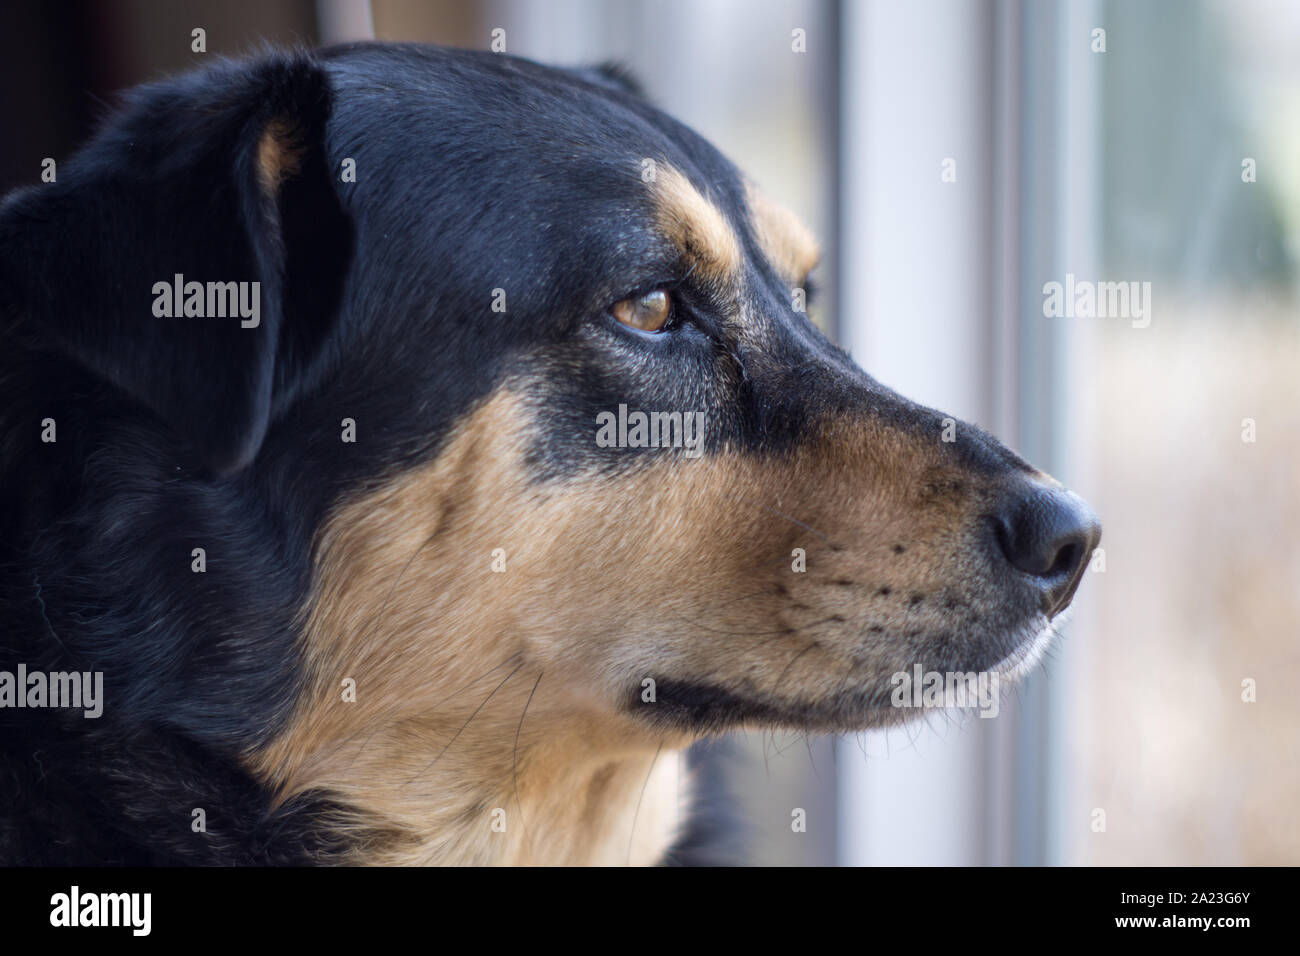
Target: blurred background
[955,156]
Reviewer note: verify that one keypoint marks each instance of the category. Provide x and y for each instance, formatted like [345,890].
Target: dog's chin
[701,707]
[1029,652]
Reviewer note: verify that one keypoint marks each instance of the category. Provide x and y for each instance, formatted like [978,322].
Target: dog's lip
[1025,656]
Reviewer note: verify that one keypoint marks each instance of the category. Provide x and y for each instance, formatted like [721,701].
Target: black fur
[475,172]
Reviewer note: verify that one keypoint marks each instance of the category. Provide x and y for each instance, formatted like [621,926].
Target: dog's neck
[484,783]
[428,710]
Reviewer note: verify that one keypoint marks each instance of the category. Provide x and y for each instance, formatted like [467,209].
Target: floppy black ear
[218,177]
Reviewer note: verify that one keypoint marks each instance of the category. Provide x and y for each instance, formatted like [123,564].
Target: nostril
[1048,533]
[1067,559]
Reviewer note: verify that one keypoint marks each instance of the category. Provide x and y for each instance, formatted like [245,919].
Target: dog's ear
[613,76]
[218,177]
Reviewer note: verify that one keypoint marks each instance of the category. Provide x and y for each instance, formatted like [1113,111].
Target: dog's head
[531,390]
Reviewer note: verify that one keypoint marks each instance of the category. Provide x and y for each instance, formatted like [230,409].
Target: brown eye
[649,313]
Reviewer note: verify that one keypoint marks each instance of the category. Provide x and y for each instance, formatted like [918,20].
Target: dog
[421,447]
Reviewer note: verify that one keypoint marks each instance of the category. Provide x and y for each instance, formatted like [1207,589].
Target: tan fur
[787,242]
[677,569]
[277,156]
[695,226]
[408,606]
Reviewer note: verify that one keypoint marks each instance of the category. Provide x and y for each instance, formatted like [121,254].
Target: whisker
[637,813]
[466,724]
[777,683]
[406,567]
[812,762]
[781,514]
[384,716]
[514,760]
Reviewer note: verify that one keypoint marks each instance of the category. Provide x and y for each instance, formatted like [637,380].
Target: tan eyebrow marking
[788,244]
[277,156]
[695,226]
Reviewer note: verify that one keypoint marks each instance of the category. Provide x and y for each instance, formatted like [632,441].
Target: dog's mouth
[837,700]
[1027,655]
[872,637]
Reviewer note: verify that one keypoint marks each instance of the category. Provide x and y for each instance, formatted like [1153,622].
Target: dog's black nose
[1049,534]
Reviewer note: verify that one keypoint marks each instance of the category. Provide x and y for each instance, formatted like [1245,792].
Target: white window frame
[942,292]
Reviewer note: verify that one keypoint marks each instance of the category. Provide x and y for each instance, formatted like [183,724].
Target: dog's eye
[648,313]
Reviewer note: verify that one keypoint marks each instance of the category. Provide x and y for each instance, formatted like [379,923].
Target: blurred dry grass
[1201,590]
